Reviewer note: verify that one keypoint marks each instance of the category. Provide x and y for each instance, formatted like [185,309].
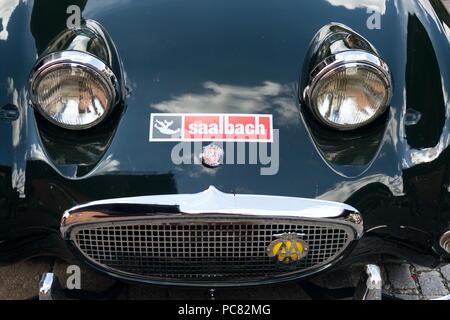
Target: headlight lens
[350,90]
[350,96]
[74,93]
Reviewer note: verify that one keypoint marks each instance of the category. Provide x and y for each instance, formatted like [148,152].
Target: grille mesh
[205,251]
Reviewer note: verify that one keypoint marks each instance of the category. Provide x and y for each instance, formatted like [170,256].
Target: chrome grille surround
[170,246]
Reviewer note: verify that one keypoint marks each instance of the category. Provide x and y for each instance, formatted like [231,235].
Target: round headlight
[73,90]
[350,90]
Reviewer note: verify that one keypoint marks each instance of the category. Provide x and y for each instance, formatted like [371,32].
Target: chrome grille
[207,249]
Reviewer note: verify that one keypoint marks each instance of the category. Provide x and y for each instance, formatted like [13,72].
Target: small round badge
[212,155]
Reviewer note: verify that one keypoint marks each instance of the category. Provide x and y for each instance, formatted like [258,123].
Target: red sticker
[211,127]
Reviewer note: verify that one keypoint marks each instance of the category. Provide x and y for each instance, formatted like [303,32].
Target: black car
[225,143]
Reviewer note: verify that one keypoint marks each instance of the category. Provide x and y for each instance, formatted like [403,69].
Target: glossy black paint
[237,57]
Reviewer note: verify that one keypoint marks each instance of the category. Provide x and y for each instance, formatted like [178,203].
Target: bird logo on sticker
[163,127]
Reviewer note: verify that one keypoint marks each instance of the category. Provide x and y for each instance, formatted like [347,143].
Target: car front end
[225,144]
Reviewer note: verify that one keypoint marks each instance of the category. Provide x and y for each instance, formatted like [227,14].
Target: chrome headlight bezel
[75,59]
[353,83]
[343,60]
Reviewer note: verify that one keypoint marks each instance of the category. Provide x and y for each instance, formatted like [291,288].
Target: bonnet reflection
[223,98]
[376,5]
[7,8]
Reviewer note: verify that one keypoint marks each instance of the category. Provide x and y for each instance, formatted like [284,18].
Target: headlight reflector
[73,90]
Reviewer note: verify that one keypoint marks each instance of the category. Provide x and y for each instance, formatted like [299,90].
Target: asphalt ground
[402,280]
[21,281]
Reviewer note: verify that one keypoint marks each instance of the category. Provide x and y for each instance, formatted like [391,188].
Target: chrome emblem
[212,155]
[288,248]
